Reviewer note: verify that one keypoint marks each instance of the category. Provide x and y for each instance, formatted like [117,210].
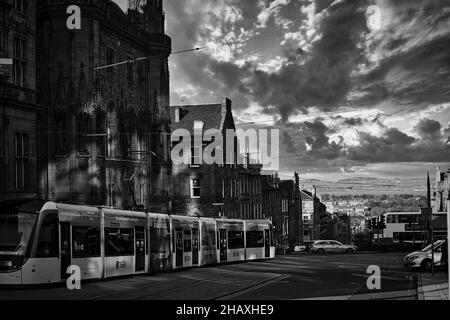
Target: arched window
[82,132]
[61,140]
[100,131]
[112,131]
[124,135]
[142,130]
[132,134]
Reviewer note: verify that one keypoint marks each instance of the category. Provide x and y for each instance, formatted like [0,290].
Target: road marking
[370,296]
[253,288]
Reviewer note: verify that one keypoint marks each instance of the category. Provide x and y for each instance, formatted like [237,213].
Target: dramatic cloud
[345,97]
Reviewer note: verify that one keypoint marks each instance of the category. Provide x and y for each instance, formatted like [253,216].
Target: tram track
[252,288]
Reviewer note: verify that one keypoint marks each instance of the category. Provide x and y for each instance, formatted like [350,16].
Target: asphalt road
[300,276]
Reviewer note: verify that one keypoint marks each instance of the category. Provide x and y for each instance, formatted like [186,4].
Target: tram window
[86,242]
[255,239]
[187,240]
[48,238]
[159,240]
[208,237]
[119,242]
[235,239]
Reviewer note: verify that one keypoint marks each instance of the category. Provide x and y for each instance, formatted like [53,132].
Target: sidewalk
[432,288]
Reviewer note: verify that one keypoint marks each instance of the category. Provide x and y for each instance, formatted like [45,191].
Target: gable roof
[212,115]
[306,195]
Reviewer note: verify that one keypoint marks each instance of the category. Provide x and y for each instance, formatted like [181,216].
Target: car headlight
[413,258]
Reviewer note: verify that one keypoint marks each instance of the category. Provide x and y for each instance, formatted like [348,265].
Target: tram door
[65,249]
[194,246]
[223,244]
[140,249]
[179,248]
[267,243]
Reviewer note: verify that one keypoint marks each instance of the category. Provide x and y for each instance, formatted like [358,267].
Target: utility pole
[430,211]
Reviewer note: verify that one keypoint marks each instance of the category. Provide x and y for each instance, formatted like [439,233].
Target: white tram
[39,240]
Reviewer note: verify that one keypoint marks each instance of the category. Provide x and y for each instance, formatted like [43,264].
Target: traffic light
[382,222]
[374,223]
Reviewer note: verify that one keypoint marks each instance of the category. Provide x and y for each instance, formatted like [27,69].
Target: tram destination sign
[6,67]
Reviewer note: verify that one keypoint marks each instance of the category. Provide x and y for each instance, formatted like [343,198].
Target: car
[331,246]
[422,259]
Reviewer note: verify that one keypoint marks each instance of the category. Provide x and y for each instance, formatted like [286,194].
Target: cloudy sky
[352,101]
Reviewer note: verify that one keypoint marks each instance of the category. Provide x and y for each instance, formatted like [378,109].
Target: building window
[195,188]
[23,160]
[100,131]
[130,71]
[61,134]
[19,62]
[196,156]
[83,130]
[2,37]
[284,205]
[110,59]
[141,74]
[20,6]
[119,242]
[3,169]
[112,132]
[85,242]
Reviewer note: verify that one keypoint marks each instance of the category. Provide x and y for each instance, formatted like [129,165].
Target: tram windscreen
[16,229]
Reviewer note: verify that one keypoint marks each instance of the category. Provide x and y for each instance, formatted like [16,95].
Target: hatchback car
[331,246]
[422,259]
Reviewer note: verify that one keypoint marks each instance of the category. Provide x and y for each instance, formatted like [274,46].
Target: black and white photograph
[247,151]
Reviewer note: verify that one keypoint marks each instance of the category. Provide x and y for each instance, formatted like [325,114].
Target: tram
[39,240]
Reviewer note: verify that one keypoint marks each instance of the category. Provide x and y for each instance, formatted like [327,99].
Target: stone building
[200,189]
[272,205]
[104,134]
[442,191]
[18,108]
[231,188]
[312,211]
[292,227]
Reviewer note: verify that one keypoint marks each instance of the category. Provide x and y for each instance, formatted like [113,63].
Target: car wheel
[426,265]
[349,251]
[321,251]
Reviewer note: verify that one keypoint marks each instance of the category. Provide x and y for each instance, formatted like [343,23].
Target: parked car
[331,246]
[306,246]
[422,259]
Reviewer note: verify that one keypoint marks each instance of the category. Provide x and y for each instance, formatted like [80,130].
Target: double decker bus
[408,228]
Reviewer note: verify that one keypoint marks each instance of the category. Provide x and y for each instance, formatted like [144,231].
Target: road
[297,276]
